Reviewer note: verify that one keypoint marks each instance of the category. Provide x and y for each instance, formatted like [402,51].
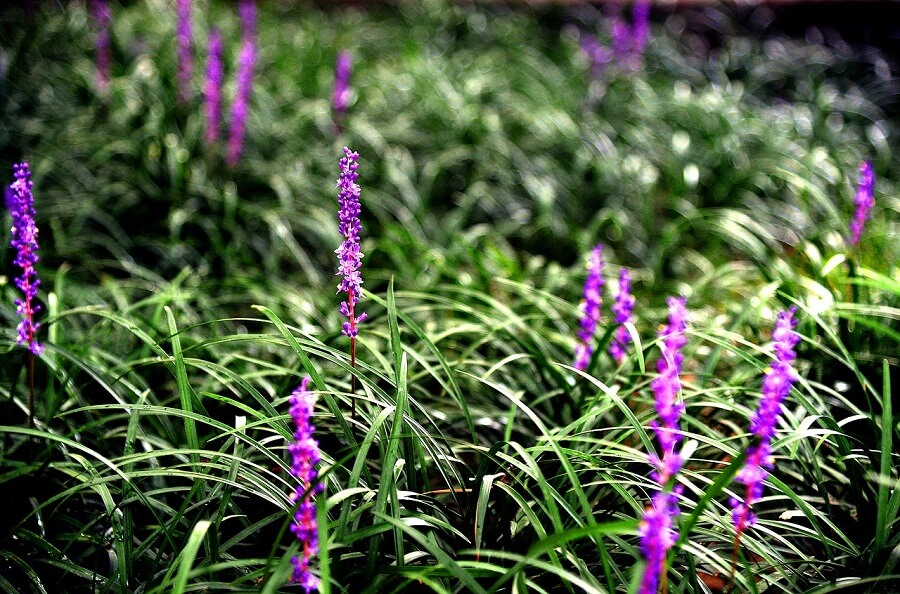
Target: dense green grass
[185,301]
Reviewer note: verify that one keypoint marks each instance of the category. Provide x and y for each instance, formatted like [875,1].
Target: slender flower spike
[641,24]
[349,256]
[776,387]
[656,529]
[597,55]
[593,299]
[20,202]
[865,201]
[340,98]
[185,62]
[246,60]
[103,17]
[621,40]
[304,455]
[212,89]
[622,308]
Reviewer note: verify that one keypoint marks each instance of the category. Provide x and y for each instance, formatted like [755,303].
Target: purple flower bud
[865,201]
[622,307]
[593,285]
[641,23]
[349,256]
[212,89]
[776,386]
[185,62]
[20,202]
[304,457]
[666,387]
[246,59]
[340,98]
[103,17]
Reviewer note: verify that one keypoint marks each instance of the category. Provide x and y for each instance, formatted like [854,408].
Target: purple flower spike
[212,89]
[593,299]
[340,99]
[185,62]
[20,202]
[246,60]
[598,55]
[657,537]
[620,34]
[304,455]
[865,201]
[776,386]
[641,23]
[622,307]
[349,256]
[103,17]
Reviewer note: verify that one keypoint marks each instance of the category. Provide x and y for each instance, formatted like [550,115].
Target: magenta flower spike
[20,202]
[103,18]
[777,382]
[349,256]
[212,88]
[241,108]
[597,55]
[304,457]
[593,285]
[621,40]
[641,25]
[656,529]
[340,98]
[864,200]
[185,61]
[622,308]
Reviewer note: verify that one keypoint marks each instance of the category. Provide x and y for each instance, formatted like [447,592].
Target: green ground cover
[184,301]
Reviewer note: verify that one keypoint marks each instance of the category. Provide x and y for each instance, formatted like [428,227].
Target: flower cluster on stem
[593,299]
[656,530]
[340,97]
[622,308]
[777,382]
[185,62]
[864,200]
[304,457]
[212,88]
[349,256]
[246,60]
[20,202]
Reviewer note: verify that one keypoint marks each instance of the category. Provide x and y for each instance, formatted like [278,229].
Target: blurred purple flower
[349,256]
[20,202]
[665,390]
[657,537]
[622,307]
[246,59]
[621,39]
[593,299]
[340,98]
[304,455]
[776,387]
[103,17]
[597,55]
[212,89]
[185,63]
[641,23]
[865,201]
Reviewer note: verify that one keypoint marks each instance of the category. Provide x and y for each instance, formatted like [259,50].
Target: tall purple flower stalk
[865,201]
[622,308]
[103,18]
[20,202]
[185,62]
[640,13]
[212,88]
[340,98]
[597,55]
[349,256]
[621,40]
[246,59]
[775,388]
[593,299]
[305,455]
[656,530]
